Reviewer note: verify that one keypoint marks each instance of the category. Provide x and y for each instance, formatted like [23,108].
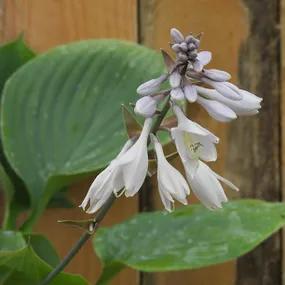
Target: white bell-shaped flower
[134,162]
[192,141]
[107,182]
[171,183]
[207,187]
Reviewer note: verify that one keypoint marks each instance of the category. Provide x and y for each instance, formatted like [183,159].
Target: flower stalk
[93,226]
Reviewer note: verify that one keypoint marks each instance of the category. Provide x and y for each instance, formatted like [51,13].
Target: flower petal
[177,94]
[190,93]
[198,65]
[217,75]
[134,163]
[206,187]
[171,183]
[204,57]
[217,110]
[175,79]
[226,181]
[227,89]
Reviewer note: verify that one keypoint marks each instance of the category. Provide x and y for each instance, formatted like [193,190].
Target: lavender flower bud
[175,79]
[217,75]
[146,106]
[151,86]
[182,56]
[190,92]
[183,46]
[177,94]
[217,110]
[191,47]
[176,47]
[189,39]
[225,88]
[176,36]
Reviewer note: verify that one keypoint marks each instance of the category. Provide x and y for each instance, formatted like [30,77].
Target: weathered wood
[282,121]
[49,23]
[255,149]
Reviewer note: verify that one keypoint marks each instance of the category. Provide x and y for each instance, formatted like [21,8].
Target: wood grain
[219,21]
[282,121]
[53,22]
[255,151]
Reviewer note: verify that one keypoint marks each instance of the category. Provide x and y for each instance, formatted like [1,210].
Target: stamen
[195,146]
[120,193]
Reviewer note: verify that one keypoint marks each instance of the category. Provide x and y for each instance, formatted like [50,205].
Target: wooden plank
[219,21]
[49,23]
[282,121]
[255,151]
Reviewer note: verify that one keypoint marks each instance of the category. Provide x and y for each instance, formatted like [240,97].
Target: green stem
[82,240]
[161,116]
[99,217]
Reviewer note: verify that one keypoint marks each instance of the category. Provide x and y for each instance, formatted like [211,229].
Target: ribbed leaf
[188,238]
[8,188]
[12,56]
[21,262]
[61,112]
[43,248]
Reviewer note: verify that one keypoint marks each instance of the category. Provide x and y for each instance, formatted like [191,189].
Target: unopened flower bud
[191,46]
[176,36]
[190,92]
[175,79]
[183,46]
[177,94]
[182,56]
[176,47]
[151,86]
[189,39]
[146,106]
[217,75]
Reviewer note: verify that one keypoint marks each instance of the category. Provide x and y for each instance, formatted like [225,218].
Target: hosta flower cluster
[187,79]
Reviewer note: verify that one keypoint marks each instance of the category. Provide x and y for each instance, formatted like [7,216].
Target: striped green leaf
[189,238]
[61,112]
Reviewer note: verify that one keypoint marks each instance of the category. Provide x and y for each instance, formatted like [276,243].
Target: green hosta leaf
[43,248]
[8,188]
[10,241]
[188,238]
[62,111]
[12,56]
[20,263]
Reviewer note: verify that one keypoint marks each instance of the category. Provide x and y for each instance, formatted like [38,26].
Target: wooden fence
[244,36]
